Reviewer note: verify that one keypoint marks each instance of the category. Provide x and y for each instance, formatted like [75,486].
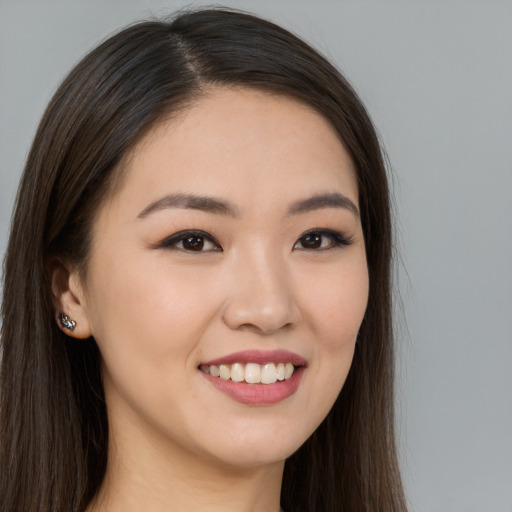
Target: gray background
[437,79]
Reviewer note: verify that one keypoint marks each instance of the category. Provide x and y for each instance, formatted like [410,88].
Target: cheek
[160,299]
[337,298]
[148,325]
[149,321]
[344,308]
[336,304]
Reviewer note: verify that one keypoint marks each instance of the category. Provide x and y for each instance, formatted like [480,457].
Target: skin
[157,312]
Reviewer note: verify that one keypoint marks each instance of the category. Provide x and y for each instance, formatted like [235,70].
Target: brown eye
[311,241]
[321,240]
[192,241]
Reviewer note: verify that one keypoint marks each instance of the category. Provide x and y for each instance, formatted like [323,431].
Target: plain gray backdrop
[437,79]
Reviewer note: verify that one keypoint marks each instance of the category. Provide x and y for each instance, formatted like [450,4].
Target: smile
[256,378]
[251,373]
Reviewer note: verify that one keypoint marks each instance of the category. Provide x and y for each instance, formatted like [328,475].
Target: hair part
[53,418]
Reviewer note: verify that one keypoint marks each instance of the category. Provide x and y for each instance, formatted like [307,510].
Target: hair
[53,417]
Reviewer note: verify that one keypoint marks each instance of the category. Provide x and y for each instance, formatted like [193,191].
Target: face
[233,246]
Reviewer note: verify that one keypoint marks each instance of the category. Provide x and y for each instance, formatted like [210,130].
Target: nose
[261,296]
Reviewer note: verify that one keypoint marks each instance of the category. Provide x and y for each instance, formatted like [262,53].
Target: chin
[249,458]
[253,449]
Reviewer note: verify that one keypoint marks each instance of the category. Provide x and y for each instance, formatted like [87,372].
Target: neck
[145,475]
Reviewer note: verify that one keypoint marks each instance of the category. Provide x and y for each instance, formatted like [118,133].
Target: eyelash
[173,241]
[337,239]
[203,238]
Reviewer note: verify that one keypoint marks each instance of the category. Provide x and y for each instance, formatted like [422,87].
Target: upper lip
[260,357]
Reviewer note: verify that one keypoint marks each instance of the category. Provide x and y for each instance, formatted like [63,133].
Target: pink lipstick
[256,377]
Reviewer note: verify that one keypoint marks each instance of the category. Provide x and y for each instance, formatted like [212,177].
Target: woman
[196,306]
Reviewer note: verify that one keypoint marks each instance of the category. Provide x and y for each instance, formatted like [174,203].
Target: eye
[321,240]
[192,241]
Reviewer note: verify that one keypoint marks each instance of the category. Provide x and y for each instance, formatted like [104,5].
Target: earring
[66,322]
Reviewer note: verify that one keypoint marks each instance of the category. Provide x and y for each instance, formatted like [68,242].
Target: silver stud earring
[66,322]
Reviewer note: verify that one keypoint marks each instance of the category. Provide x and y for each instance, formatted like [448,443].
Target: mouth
[256,377]
[251,373]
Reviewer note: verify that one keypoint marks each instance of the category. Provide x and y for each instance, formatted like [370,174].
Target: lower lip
[258,394]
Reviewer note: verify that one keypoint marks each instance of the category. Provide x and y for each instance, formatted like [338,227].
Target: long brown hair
[53,419]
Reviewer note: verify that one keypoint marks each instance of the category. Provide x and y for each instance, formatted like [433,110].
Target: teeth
[225,372]
[252,373]
[237,372]
[281,371]
[268,374]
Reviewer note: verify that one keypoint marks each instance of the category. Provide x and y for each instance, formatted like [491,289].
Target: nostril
[262,306]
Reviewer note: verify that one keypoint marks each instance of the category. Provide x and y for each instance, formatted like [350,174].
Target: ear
[68,298]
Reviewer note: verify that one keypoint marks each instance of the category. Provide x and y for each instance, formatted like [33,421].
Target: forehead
[244,143]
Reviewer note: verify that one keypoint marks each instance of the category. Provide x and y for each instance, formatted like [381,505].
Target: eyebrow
[212,205]
[320,201]
[193,202]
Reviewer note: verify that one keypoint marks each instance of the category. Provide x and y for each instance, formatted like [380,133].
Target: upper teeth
[252,373]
